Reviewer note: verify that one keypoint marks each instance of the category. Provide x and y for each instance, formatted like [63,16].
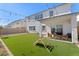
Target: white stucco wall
[45,14]
[33,23]
[63,9]
[38,27]
[60,10]
[66,27]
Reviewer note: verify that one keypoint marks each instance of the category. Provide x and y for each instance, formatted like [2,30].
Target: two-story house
[58,20]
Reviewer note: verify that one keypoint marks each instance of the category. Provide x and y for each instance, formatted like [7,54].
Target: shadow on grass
[4,37]
[49,47]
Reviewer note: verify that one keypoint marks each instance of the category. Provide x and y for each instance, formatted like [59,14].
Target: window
[39,16]
[43,28]
[36,17]
[58,29]
[52,30]
[32,28]
[51,13]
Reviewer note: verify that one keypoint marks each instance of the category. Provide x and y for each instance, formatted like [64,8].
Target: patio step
[77,44]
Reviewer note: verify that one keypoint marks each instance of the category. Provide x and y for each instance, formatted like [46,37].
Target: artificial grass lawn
[22,45]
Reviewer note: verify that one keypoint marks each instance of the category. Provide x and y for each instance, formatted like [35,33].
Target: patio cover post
[74,28]
[40,30]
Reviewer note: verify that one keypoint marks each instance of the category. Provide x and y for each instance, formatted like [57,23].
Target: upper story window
[39,16]
[51,13]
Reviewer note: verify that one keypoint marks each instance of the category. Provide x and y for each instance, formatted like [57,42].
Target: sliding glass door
[57,29]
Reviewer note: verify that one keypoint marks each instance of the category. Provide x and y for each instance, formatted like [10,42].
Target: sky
[10,12]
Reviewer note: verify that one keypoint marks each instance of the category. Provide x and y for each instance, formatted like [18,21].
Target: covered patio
[64,26]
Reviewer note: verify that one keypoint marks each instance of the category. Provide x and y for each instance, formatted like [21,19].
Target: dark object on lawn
[46,46]
[40,45]
[49,47]
[23,54]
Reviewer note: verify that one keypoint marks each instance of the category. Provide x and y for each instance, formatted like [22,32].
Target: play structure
[41,43]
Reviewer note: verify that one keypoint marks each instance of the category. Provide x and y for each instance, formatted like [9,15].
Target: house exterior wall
[38,28]
[66,28]
[59,10]
[65,21]
[64,9]
[45,14]
[37,25]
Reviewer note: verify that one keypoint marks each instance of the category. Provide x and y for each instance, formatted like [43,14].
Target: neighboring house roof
[15,21]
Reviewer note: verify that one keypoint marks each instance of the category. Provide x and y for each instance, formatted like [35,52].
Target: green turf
[21,45]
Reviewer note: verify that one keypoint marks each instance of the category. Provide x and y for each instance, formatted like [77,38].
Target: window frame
[43,28]
[32,28]
[39,16]
[57,29]
[51,13]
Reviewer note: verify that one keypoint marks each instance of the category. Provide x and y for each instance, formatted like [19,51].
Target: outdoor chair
[49,35]
[64,37]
